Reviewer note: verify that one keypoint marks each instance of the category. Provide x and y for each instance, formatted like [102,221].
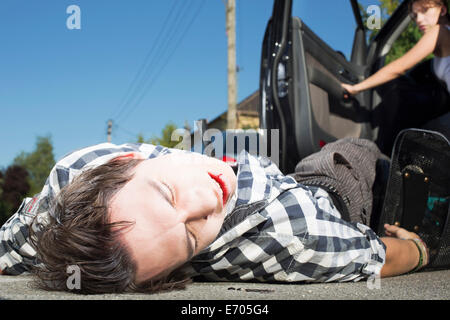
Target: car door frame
[279,113]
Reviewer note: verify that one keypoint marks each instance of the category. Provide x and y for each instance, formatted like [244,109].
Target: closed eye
[168,193]
[189,237]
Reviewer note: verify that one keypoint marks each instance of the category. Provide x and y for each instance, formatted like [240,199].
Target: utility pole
[230,6]
[109,130]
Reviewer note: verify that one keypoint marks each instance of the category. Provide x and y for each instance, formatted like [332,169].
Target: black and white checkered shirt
[274,230]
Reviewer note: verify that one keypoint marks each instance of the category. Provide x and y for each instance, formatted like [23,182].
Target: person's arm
[424,47]
[16,253]
[402,254]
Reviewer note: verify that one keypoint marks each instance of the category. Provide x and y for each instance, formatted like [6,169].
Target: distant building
[247,118]
[247,115]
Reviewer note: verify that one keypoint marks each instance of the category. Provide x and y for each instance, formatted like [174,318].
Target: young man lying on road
[138,217]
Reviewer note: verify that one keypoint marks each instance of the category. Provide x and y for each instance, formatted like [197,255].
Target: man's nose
[199,203]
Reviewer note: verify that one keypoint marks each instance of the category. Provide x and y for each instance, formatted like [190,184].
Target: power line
[147,58]
[148,61]
[155,61]
[164,63]
[128,132]
[162,48]
[167,40]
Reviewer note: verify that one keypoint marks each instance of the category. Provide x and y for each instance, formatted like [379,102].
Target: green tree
[407,39]
[5,208]
[14,187]
[165,138]
[166,134]
[5,212]
[38,163]
[140,138]
[2,180]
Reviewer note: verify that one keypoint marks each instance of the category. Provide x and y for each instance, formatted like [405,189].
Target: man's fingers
[398,232]
[391,230]
[391,227]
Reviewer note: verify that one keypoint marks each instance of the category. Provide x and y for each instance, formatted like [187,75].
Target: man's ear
[130,155]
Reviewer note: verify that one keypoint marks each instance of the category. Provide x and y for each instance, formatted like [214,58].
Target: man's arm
[402,255]
[16,252]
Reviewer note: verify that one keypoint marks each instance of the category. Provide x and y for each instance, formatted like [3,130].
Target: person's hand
[401,255]
[350,89]
[400,233]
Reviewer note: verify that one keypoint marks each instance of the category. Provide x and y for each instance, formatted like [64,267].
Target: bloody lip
[222,185]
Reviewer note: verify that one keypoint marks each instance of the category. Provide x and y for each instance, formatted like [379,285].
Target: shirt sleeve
[16,253]
[328,248]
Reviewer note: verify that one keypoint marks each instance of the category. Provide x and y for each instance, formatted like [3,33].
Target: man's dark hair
[78,232]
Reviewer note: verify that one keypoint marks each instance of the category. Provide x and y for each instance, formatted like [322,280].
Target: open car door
[300,80]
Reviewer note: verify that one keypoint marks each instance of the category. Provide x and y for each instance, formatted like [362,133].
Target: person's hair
[433,3]
[78,232]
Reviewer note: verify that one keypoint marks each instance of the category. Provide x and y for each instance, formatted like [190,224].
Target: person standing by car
[403,111]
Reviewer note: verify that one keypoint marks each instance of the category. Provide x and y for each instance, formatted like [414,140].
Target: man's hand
[401,255]
[400,233]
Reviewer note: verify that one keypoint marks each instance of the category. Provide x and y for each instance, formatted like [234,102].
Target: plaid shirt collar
[259,181]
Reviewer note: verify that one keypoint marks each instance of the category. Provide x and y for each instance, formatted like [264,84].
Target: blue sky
[68,83]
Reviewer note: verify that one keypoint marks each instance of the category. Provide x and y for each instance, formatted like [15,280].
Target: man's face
[177,204]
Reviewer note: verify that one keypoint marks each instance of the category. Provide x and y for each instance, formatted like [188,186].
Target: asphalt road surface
[427,285]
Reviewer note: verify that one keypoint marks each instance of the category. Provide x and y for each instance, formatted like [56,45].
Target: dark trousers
[407,105]
[353,172]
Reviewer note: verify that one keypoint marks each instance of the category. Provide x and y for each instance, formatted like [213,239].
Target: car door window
[385,8]
[332,21]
